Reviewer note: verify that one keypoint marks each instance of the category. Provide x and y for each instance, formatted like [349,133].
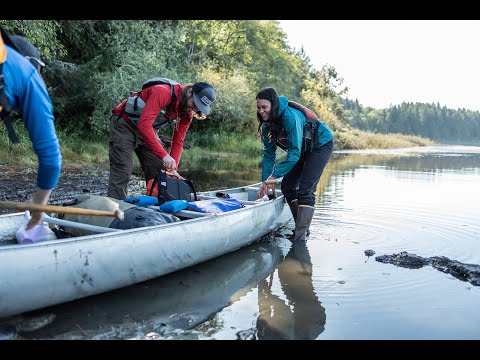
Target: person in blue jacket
[25,90]
[282,125]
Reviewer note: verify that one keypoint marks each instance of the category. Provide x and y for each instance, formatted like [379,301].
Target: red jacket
[156,98]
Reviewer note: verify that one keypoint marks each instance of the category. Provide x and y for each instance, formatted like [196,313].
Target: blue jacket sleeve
[37,114]
[27,91]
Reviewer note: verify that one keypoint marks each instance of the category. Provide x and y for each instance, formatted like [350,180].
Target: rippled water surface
[424,201]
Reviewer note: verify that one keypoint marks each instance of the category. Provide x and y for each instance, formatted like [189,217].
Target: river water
[421,200]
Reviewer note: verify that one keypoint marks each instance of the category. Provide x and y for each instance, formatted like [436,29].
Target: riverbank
[85,166]
[18,183]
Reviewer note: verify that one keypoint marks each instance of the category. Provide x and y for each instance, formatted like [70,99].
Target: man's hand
[177,175]
[169,163]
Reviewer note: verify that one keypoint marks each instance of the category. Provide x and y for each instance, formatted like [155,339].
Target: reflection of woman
[303,317]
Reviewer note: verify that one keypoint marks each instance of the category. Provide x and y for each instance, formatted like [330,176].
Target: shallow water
[424,201]
[421,200]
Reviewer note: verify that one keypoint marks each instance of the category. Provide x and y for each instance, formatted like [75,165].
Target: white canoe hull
[42,274]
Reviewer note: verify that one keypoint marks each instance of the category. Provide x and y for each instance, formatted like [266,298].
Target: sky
[387,62]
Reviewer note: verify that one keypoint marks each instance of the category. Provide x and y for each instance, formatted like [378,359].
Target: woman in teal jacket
[308,152]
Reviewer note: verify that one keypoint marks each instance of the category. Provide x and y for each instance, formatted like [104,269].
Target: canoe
[52,272]
[195,294]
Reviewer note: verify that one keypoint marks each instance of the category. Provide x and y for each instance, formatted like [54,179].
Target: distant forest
[431,121]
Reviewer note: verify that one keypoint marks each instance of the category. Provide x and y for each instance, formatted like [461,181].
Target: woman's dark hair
[275,125]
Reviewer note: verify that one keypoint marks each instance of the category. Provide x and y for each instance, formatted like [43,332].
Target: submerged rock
[369,253]
[461,271]
[403,259]
[464,272]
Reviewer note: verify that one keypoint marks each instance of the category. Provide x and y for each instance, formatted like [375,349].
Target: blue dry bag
[215,206]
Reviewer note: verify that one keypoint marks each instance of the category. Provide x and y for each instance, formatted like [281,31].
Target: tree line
[431,121]
[94,64]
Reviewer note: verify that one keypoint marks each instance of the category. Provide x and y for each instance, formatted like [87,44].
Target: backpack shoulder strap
[190,183]
[163,80]
[309,114]
[158,80]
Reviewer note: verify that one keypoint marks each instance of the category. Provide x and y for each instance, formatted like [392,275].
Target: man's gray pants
[124,140]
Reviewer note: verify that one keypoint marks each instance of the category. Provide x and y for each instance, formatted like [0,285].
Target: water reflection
[226,172]
[301,316]
[422,200]
[424,159]
[166,306]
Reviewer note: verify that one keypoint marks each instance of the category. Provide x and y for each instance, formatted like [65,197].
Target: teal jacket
[293,122]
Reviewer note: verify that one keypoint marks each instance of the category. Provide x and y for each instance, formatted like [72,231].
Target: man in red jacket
[161,107]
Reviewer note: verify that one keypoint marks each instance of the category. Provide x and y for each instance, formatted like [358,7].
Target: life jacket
[309,130]
[27,49]
[135,104]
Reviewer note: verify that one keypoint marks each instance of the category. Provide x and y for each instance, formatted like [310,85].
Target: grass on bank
[354,139]
[240,148]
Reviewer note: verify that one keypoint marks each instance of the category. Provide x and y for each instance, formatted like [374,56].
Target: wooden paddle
[118,214]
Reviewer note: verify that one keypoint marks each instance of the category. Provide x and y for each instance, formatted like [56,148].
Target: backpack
[312,120]
[309,130]
[27,49]
[167,188]
[135,105]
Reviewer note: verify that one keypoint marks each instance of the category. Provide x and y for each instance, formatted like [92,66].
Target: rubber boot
[304,218]
[294,208]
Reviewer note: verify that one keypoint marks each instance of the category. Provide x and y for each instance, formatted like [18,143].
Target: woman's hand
[271,178]
[262,191]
